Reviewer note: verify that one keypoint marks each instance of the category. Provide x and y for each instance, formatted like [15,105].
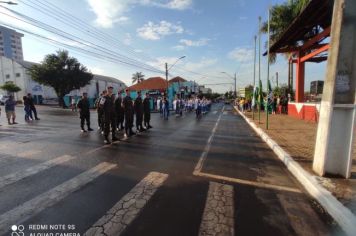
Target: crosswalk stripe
[51,197]
[14,177]
[218,216]
[28,153]
[125,211]
[225,112]
[214,112]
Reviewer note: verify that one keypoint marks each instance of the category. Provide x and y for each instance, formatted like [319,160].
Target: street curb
[342,215]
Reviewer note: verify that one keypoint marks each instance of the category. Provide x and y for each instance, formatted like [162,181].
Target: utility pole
[254,81]
[277,79]
[167,79]
[259,69]
[235,86]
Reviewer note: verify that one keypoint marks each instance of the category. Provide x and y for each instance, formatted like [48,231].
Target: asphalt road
[211,176]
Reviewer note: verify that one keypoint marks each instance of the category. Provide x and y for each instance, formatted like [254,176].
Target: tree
[10,87]
[282,15]
[138,77]
[62,73]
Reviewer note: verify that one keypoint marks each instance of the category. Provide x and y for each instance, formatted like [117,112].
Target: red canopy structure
[301,40]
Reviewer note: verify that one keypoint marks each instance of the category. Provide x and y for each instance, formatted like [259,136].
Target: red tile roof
[177,79]
[153,83]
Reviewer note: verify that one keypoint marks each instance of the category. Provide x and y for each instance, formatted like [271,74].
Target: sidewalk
[297,138]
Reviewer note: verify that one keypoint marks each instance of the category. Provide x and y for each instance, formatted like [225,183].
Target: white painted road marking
[225,113]
[29,153]
[203,156]
[248,182]
[127,209]
[218,216]
[214,112]
[14,177]
[51,197]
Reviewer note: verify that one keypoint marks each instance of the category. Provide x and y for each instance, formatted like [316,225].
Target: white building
[11,44]
[204,90]
[16,72]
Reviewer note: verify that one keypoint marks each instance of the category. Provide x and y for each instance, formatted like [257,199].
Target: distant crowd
[276,104]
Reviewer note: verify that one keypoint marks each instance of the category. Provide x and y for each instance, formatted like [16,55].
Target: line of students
[113,112]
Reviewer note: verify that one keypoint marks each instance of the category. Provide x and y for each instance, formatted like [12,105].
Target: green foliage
[282,15]
[229,95]
[211,96]
[281,91]
[10,87]
[249,92]
[62,73]
[138,77]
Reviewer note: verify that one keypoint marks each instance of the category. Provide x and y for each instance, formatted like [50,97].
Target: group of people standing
[116,113]
[29,108]
[199,105]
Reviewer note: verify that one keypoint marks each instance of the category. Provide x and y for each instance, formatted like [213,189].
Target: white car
[3,99]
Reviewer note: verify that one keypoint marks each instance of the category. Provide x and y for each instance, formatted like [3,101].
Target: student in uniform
[147,111]
[84,113]
[100,111]
[119,112]
[129,113]
[138,106]
[109,116]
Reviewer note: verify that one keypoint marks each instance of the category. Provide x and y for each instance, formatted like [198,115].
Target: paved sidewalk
[297,137]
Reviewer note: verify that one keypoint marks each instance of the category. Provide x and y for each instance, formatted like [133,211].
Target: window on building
[7,76]
[18,74]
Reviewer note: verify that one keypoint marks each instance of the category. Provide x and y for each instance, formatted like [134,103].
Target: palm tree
[138,77]
[281,17]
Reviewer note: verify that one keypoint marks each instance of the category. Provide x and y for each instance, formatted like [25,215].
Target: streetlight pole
[167,78]
[167,69]
[234,78]
[254,81]
[235,86]
[259,70]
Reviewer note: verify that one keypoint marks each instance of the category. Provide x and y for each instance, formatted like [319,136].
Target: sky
[120,37]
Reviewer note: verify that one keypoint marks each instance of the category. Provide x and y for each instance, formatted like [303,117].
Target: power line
[77,24]
[80,49]
[77,39]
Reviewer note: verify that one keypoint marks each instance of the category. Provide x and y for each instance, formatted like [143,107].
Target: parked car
[3,99]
